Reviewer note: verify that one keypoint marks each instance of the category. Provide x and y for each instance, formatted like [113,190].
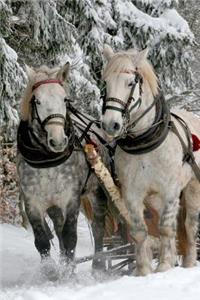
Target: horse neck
[147,120]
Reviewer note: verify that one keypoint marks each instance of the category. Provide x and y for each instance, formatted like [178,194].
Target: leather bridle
[35,114]
[126,107]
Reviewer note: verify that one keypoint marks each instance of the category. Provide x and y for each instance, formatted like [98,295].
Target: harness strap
[125,105]
[45,81]
[132,125]
[187,149]
[154,136]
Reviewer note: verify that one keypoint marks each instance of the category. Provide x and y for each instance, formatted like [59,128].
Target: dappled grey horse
[52,167]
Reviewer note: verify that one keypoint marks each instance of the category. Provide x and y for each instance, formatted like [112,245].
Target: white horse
[149,156]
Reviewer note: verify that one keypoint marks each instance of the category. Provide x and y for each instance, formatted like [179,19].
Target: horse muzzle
[112,129]
[57,145]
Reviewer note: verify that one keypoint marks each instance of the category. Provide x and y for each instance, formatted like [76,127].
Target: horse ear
[141,56]
[108,52]
[63,73]
[30,72]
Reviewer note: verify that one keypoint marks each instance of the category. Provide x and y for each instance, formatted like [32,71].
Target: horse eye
[65,100]
[37,101]
[130,84]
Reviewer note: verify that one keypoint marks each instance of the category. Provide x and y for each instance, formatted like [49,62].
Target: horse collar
[154,136]
[35,153]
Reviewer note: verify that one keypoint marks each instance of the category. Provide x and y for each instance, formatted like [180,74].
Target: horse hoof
[163,267]
[189,263]
[67,268]
[100,275]
[49,269]
[99,265]
[143,271]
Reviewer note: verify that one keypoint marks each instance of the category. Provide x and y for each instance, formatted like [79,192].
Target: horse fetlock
[163,267]
[43,246]
[99,264]
[49,269]
[189,261]
[143,270]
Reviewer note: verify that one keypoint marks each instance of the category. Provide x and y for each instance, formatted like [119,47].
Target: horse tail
[181,230]
[110,219]
[87,208]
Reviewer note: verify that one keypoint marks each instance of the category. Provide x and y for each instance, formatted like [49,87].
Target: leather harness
[157,133]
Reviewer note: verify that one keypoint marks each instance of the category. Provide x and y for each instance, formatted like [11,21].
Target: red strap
[37,84]
[196,142]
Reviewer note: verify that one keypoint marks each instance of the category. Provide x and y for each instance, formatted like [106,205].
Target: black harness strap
[188,155]
[154,136]
[125,105]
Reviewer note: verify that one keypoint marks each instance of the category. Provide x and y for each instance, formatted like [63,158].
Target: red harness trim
[37,84]
[195,142]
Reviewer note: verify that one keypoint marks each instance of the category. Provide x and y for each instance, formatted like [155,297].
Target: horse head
[44,105]
[130,87]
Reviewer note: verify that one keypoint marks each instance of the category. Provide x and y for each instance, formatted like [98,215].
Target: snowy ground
[20,280]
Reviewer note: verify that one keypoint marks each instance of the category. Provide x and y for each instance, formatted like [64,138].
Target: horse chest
[52,186]
[139,173]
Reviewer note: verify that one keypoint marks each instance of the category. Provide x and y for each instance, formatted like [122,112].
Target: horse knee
[167,231]
[139,233]
[140,236]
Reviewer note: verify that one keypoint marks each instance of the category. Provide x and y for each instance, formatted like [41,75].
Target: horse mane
[38,74]
[124,60]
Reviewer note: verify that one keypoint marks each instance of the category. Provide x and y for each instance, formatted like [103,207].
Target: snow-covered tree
[53,31]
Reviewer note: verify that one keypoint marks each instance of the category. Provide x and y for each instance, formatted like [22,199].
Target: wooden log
[105,178]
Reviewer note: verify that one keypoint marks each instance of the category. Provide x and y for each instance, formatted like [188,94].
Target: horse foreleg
[37,222]
[69,234]
[140,235]
[56,215]
[98,226]
[192,204]
[167,228]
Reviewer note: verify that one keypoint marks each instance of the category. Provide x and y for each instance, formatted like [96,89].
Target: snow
[20,278]
[170,22]
[9,52]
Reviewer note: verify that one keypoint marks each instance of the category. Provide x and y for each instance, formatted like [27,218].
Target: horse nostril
[65,141]
[116,126]
[52,143]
